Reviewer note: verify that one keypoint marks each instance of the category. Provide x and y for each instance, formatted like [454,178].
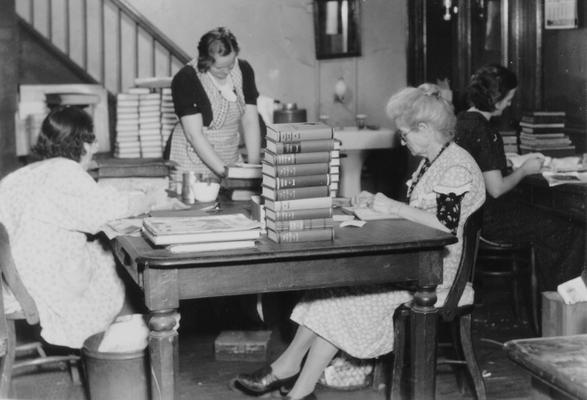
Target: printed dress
[359,320]
[50,210]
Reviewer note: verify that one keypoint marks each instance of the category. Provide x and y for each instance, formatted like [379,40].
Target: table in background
[381,251]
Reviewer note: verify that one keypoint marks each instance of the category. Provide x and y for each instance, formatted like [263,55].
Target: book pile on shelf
[150,124]
[300,177]
[168,117]
[510,141]
[127,143]
[543,132]
[202,233]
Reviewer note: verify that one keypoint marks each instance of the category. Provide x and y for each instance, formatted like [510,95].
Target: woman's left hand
[383,204]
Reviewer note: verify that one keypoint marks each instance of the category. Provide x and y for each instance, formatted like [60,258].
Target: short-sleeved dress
[195,92]
[359,320]
[51,209]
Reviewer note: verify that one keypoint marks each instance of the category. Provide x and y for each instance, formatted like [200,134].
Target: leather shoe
[261,382]
[310,396]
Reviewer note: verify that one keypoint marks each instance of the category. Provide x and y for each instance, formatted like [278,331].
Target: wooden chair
[8,347]
[457,317]
[515,264]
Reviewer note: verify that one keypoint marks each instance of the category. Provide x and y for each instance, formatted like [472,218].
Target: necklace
[427,163]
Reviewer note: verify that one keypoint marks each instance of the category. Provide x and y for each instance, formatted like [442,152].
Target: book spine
[298,204]
[300,146]
[296,192]
[298,131]
[543,119]
[297,181]
[301,169]
[300,224]
[289,215]
[309,235]
[299,158]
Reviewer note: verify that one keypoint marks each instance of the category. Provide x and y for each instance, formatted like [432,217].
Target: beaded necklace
[427,163]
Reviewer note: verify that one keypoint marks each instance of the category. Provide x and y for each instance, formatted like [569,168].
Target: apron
[222,133]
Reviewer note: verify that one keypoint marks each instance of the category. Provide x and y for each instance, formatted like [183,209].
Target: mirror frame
[326,48]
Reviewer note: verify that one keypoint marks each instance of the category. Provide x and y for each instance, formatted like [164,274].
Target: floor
[204,378]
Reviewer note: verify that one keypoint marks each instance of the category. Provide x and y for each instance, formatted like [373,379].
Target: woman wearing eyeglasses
[213,95]
[446,188]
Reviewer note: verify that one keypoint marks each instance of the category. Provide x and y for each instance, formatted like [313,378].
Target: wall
[565,75]
[277,38]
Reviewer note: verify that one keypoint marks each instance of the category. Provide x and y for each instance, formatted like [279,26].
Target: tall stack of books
[543,132]
[300,166]
[168,117]
[127,144]
[150,125]
[510,141]
[202,233]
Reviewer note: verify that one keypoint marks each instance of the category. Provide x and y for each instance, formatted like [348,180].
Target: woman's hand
[532,165]
[385,205]
[363,199]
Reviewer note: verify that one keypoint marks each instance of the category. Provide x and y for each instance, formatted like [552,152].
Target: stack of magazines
[202,233]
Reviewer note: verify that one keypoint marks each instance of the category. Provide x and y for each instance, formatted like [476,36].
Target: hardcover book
[300,224]
[290,132]
[277,182]
[298,169]
[308,235]
[212,246]
[289,215]
[295,192]
[299,204]
[543,125]
[300,146]
[243,171]
[301,158]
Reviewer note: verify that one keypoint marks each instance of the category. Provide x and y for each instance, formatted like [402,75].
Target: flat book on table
[244,171]
[288,132]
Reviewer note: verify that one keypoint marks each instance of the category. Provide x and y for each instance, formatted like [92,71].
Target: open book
[369,214]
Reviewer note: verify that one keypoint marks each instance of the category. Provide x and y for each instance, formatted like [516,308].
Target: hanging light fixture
[340,90]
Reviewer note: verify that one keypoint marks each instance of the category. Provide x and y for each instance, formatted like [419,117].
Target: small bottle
[187,190]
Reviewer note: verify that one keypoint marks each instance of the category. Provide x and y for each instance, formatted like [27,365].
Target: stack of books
[150,125]
[202,233]
[300,167]
[543,132]
[168,117]
[127,144]
[243,181]
[510,141]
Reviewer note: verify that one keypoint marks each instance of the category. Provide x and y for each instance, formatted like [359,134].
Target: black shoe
[310,396]
[261,382]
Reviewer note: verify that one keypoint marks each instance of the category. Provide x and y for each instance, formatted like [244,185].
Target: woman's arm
[252,134]
[192,127]
[384,204]
[497,184]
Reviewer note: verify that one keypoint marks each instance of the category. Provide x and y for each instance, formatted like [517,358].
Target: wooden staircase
[103,41]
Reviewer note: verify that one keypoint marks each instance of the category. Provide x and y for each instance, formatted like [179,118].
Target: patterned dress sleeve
[453,185]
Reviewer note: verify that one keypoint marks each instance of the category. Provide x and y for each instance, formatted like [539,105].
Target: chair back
[471,232]
[12,279]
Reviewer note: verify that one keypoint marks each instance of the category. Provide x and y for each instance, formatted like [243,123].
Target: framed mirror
[337,26]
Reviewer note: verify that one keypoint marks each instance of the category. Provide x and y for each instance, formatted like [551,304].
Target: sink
[355,144]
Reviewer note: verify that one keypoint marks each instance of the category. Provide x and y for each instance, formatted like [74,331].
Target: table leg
[163,353]
[423,339]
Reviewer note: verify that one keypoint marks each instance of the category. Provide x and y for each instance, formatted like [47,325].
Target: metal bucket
[289,113]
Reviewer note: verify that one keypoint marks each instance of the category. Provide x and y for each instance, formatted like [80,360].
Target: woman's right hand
[363,199]
[532,165]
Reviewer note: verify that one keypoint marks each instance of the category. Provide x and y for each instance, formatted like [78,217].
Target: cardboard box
[242,345]
[560,319]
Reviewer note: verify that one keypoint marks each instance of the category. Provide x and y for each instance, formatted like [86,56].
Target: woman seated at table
[446,188]
[51,210]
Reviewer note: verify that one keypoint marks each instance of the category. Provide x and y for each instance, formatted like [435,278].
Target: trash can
[115,376]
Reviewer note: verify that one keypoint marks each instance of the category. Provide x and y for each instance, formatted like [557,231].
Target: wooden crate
[560,319]
[242,345]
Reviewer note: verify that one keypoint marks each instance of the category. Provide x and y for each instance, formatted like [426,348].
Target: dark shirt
[189,96]
[475,134]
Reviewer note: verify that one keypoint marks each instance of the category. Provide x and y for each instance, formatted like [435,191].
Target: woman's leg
[320,354]
[289,362]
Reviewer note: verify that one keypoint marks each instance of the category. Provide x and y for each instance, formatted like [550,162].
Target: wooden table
[558,365]
[381,251]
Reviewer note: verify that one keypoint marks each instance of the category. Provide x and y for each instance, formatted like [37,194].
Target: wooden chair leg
[8,361]
[534,303]
[516,287]
[470,359]
[457,348]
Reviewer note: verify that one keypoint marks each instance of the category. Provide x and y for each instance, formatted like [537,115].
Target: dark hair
[219,41]
[489,85]
[63,134]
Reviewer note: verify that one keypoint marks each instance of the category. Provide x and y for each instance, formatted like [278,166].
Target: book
[289,132]
[298,204]
[308,235]
[292,193]
[543,117]
[243,171]
[543,125]
[210,228]
[117,168]
[212,246]
[299,224]
[71,98]
[289,215]
[298,169]
[301,146]
[277,182]
[241,183]
[368,214]
[531,136]
[300,158]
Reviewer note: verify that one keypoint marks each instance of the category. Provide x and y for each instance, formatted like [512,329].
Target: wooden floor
[204,378]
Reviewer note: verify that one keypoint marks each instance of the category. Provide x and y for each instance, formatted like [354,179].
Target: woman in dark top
[213,95]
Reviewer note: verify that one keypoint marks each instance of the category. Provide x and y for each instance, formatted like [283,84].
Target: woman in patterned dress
[446,188]
[212,95]
[52,210]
